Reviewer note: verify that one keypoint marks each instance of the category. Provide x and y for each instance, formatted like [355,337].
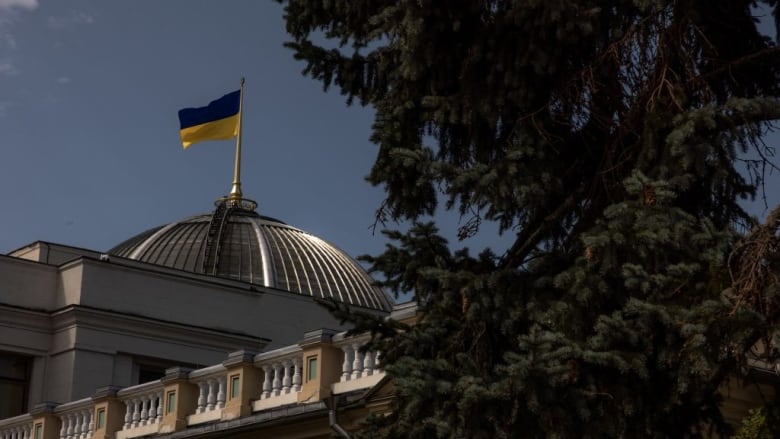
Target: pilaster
[321,365]
[179,399]
[243,384]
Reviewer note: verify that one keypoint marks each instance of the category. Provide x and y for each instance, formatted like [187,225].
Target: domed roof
[237,243]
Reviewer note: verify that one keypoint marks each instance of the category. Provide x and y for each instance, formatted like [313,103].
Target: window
[38,431]
[146,369]
[14,384]
[311,367]
[148,373]
[101,418]
[170,404]
[235,386]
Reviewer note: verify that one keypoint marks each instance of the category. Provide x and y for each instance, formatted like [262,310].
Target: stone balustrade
[76,419]
[211,382]
[18,427]
[282,372]
[359,368]
[143,409]
[322,364]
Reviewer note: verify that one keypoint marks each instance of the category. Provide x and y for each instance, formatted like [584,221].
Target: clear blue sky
[89,146]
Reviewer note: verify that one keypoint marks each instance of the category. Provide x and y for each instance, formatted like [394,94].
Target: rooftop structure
[235,242]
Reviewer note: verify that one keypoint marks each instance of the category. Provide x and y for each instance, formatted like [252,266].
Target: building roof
[237,243]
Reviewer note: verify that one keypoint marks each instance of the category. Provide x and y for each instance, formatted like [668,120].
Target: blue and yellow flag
[218,120]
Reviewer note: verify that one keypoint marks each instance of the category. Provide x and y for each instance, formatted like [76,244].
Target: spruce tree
[612,142]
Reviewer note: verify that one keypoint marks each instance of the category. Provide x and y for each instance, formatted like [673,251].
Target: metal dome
[237,243]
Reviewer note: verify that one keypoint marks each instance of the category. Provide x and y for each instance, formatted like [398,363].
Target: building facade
[183,295]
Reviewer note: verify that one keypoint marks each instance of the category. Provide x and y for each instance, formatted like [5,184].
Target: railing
[359,369]
[18,427]
[281,377]
[211,397]
[143,409]
[279,385]
[76,419]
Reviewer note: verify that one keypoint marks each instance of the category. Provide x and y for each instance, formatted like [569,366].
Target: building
[191,298]
[205,327]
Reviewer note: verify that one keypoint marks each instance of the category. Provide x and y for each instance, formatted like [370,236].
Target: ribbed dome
[240,244]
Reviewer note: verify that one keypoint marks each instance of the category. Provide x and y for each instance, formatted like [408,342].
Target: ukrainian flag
[218,120]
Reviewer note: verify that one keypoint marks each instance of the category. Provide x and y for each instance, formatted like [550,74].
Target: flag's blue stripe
[223,107]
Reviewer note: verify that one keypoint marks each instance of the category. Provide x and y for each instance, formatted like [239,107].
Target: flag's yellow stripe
[217,130]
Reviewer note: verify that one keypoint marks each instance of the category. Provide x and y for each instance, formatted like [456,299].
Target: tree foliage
[612,142]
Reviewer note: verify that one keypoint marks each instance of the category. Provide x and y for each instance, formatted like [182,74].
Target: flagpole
[235,191]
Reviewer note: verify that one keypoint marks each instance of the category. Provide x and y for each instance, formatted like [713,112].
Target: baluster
[357,365]
[89,424]
[266,382]
[221,395]
[81,425]
[136,412]
[144,410]
[152,415]
[376,360]
[368,364]
[159,406]
[77,425]
[128,415]
[277,383]
[346,367]
[71,425]
[212,398]
[297,375]
[202,397]
[286,379]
